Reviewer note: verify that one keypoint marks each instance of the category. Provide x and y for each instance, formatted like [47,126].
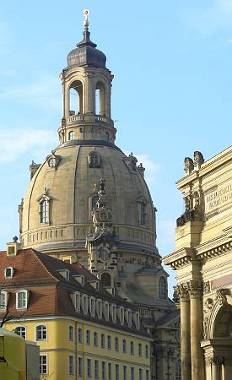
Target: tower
[89,202]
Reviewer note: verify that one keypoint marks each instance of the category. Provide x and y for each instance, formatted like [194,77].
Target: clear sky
[172,93]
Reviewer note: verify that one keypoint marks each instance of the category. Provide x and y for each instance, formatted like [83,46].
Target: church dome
[68,181]
[86,54]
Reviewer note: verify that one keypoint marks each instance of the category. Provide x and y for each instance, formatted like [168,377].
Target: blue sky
[171,93]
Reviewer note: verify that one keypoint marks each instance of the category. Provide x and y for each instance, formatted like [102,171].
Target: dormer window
[92,306]
[106,311]
[137,320]
[121,314]
[64,273]
[22,299]
[84,303]
[113,312]
[80,279]
[99,308]
[77,301]
[3,300]
[9,272]
[44,209]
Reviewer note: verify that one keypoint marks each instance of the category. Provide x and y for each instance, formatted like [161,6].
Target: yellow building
[202,261]
[83,331]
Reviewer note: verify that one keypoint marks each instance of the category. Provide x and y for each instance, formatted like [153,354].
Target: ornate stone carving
[221,296]
[198,160]
[53,160]
[206,287]
[182,291]
[131,162]
[188,165]
[195,288]
[94,159]
[33,169]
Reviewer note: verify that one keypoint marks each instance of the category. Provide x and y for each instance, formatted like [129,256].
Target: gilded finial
[86,19]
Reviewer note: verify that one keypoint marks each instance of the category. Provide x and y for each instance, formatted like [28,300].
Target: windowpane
[87,337]
[80,335]
[44,211]
[103,370]
[140,349]
[116,372]
[124,373]
[132,348]
[124,345]
[43,365]
[70,333]
[89,367]
[21,331]
[96,369]
[116,344]
[109,342]
[147,375]
[140,374]
[41,332]
[2,300]
[71,365]
[132,373]
[21,299]
[80,370]
[102,341]
[109,371]
[95,338]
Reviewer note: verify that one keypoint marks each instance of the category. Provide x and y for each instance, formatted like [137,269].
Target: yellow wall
[57,347]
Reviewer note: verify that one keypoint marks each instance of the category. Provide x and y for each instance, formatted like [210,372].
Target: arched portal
[218,350]
[76,98]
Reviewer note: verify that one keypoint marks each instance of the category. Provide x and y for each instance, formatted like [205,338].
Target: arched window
[41,332]
[100,99]
[162,288]
[71,135]
[44,209]
[76,98]
[21,331]
[106,279]
[142,212]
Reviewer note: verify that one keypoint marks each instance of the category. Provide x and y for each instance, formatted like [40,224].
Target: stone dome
[68,180]
[86,54]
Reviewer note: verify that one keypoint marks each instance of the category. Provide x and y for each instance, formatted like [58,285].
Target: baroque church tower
[89,202]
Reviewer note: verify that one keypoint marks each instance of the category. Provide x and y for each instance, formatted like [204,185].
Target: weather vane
[86,18]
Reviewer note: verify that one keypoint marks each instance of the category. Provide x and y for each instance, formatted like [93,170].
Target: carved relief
[94,159]
[221,296]
[53,160]
[198,160]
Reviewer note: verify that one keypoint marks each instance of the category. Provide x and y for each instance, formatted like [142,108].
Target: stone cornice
[179,258]
[214,248]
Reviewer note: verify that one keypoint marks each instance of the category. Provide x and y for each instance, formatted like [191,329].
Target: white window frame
[36,336]
[25,304]
[99,308]
[24,335]
[77,301]
[3,306]
[11,270]
[70,333]
[71,365]
[85,303]
[43,373]
[44,209]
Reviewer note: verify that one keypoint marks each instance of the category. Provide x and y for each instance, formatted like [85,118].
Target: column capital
[195,288]
[182,291]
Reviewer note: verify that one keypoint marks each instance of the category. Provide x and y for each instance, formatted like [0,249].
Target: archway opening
[100,99]
[223,323]
[76,98]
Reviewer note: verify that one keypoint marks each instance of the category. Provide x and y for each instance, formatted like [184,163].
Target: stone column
[196,321]
[185,332]
[217,362]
